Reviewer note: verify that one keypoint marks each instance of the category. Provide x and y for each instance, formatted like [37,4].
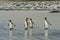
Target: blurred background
[28,0]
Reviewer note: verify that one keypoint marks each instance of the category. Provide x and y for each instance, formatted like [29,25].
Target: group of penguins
[29,23]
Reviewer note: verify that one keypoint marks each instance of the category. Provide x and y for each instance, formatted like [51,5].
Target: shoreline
[33,5]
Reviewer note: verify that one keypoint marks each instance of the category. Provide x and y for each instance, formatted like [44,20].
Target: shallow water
[38,33]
